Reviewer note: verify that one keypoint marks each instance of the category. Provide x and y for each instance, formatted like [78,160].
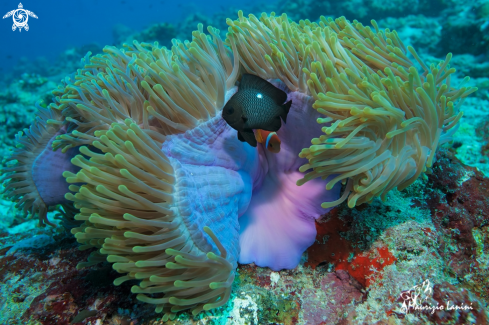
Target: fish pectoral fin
[286,108]
[249,137]
[240,137]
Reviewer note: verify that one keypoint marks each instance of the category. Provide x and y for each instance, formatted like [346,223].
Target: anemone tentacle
[163,91]
[388,119]
[383,119]
[127,205]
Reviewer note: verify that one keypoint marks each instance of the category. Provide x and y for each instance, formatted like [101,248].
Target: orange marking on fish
[270,139]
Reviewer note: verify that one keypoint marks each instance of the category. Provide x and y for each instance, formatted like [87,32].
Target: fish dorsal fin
[250,81]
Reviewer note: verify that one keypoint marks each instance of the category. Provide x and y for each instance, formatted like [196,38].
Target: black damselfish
[256,105]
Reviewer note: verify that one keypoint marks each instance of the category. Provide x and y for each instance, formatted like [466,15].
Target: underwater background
[364,258]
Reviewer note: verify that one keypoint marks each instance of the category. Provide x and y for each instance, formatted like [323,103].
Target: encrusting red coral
[332,248]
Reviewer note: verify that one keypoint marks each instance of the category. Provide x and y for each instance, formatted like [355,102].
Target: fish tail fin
[286,108]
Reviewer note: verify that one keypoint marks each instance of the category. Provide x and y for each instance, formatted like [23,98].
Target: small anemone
[25,183]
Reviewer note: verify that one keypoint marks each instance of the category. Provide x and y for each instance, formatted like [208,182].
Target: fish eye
[259,95]
[230,110]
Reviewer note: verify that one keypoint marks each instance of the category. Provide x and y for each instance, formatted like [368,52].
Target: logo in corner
[20,17]
[418,298]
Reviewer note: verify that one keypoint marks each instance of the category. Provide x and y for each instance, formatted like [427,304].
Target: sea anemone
[30,186]
[163,179]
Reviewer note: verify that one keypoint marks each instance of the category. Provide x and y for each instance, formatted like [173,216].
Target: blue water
[66,24]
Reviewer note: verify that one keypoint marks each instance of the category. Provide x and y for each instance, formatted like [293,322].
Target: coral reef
[162,33]
[361,9]
[465,28]
[18,106]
